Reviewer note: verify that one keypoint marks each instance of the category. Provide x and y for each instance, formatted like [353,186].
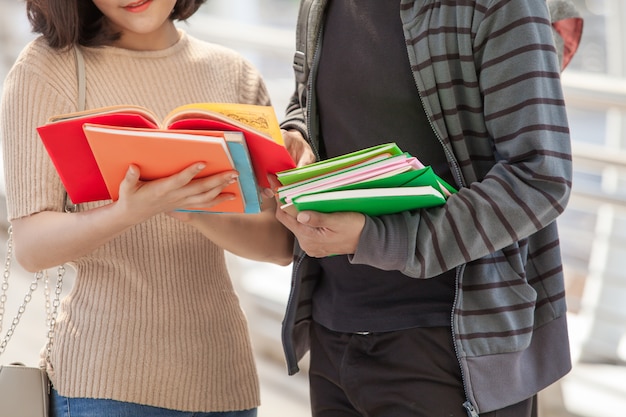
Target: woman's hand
[144,199]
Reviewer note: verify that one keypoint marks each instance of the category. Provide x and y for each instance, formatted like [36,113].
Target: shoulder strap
[81,99]
[80,74]
[306,34]
[51,309]
[300,64]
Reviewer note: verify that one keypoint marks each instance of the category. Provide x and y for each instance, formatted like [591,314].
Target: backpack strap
[306,36]
[300,66]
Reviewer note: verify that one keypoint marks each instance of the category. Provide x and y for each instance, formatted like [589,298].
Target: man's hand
[319,234]
[324,234]
[298,147]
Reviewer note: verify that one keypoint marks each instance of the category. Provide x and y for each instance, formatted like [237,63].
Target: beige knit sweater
[153,317]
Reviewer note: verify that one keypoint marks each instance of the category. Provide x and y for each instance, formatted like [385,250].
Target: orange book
[69,150]
[161,153]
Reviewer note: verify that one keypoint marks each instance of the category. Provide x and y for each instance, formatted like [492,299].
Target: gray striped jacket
[488,73]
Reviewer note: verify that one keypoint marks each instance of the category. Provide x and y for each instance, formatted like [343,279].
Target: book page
[118,109]
[260,118]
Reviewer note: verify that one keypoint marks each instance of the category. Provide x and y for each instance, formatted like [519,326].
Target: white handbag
[24,391]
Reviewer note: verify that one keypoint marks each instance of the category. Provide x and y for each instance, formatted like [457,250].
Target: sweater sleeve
[29,98]
[253,89]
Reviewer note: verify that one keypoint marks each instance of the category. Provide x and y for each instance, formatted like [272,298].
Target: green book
[376,181]
[326,166]
[371,201]
[412,178]
[374,168]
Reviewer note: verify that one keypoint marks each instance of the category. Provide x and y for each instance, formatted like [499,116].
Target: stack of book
[92,150]
[378,180]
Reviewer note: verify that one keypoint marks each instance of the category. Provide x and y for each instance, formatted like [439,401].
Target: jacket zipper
[471,411]
[456,172]
[291,312]
[292,362]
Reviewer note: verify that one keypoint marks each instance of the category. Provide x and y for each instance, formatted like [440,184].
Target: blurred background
[593,228]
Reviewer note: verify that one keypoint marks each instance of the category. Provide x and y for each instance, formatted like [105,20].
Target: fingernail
[303,218]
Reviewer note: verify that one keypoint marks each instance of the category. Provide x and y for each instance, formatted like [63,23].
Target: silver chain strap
[52,316]
[50,313]
[5,280]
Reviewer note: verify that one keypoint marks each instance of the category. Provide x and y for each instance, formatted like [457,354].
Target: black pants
[409,373]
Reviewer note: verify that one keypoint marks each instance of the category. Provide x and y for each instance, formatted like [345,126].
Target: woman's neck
[163,38]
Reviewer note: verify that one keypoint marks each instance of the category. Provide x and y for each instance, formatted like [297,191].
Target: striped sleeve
[489,75]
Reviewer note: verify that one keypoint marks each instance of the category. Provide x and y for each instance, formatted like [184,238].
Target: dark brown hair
[64,23]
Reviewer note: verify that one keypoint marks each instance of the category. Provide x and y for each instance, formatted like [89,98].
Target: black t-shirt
[367,96]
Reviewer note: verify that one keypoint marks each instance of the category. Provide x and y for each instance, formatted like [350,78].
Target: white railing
[593,228]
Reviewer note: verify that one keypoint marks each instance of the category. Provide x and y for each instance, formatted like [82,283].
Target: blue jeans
[89,407]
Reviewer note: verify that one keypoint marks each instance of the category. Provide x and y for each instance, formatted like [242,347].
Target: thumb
[313,218]
[303,217]
[130,179]
[132,174]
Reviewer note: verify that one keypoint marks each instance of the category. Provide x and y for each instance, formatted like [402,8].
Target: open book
[65,140]
[375,181]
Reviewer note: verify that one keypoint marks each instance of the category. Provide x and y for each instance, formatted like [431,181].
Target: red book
[69,150]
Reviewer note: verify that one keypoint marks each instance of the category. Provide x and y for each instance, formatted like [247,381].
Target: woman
[152,325]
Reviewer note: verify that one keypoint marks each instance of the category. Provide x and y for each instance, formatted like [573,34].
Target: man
[449,311]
